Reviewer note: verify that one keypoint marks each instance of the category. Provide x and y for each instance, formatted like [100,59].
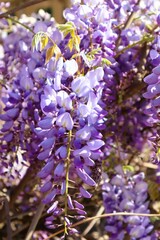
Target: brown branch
[20,229]
[33,169]
[138,84]
[104,216]
[25,180]
[22,6]
[127,24]
[134,88]
[92,223]
[35,221]
[8,220]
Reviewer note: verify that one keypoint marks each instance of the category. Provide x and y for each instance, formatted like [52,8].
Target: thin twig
[20,229]
[23,25]
[35,221]
[104,216]
[8,220]
[127,24]
[92,223]
[22,6]
[33,169]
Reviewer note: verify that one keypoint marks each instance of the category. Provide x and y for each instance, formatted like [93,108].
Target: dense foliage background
[80,122]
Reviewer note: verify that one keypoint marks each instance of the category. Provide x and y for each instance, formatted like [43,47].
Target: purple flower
[47,143]
[83,152]
[85,177]
[46,123]
[64,100]
[94,76]
[50,197]
[95,144]
[53,207]
[84,133]
[48,100]
[59,169]
[46,187]
[85,193]
[65,120]
[81,86]
[121,193]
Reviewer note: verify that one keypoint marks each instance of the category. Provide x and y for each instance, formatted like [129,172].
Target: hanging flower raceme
[153,92]
[72,142]
[127,192]
[73,108]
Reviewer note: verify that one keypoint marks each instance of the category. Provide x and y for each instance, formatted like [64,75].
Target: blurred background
[54,7]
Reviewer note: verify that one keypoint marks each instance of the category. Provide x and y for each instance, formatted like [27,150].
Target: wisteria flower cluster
[126,192]
[80,121]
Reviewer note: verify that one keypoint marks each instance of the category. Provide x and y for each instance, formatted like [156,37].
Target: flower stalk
[67,178]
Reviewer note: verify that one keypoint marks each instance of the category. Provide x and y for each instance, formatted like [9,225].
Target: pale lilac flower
[65,120]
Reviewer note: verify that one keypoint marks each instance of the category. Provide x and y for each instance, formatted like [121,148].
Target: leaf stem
[67,178]
[127,24]
[23,25]
[141,41]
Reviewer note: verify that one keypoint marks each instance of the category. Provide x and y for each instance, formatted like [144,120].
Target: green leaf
[154,219]
[106,61]
[33,43]
[40,41]
[70,44]
[74,43]
[94,51]
[67,28]
[36,40]
[128,168]
[77,41]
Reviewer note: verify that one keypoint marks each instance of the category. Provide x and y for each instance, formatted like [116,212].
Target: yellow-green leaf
[57,52]
[70,44]
[33,43]
[49,54]
[94,52]
[77,41]
[74,43]
[128,168]
[54,50]
[106,61]
[36,40]
[67,28]
[43,42]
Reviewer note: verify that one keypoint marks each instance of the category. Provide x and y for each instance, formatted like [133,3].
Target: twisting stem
[131,17]
[127,24]
[67,178]
[23,25]
[92,223]
[104,216]
[144,39]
